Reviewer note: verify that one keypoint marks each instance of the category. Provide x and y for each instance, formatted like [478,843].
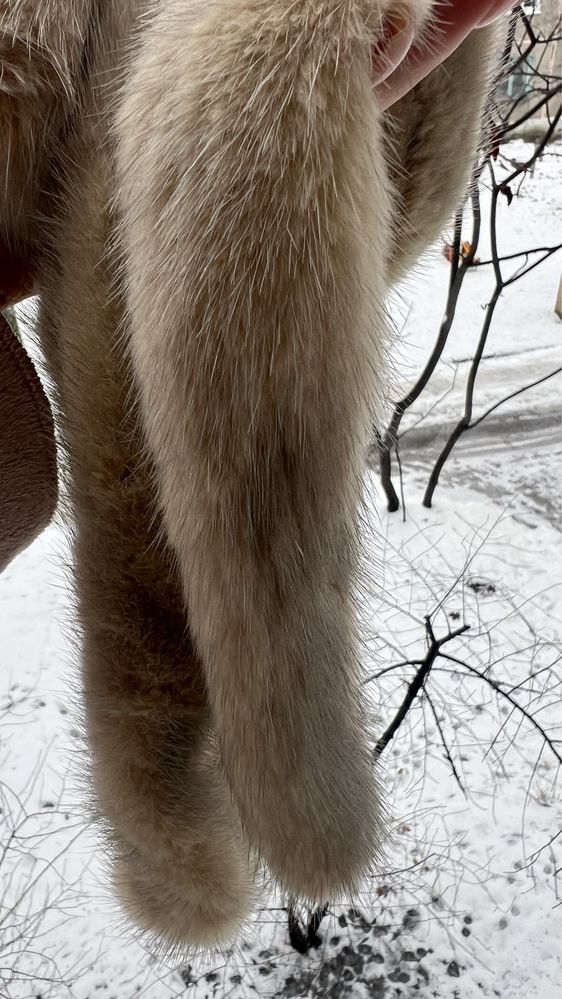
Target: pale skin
[398,64]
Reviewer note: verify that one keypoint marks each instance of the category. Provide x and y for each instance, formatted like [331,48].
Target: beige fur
[222,214]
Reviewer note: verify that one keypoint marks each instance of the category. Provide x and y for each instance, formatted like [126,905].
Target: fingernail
[393,47]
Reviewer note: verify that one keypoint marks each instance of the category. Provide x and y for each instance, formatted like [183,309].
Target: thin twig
[434,650]
[512,395]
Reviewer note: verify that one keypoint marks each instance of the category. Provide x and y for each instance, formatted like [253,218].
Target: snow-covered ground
[467,904]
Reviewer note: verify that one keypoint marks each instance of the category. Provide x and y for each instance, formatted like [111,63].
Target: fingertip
[393,47]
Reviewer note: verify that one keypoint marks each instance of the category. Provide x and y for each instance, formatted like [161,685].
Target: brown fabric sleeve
[28,469]
[17,275]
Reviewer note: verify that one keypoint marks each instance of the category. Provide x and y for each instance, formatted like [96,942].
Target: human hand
[399,63]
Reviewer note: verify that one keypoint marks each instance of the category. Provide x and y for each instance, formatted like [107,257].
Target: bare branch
[512,395]
[434,650]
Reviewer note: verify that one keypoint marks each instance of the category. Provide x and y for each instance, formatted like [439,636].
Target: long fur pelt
[216,207]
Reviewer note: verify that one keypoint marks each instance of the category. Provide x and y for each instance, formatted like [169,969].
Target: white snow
[467,905]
